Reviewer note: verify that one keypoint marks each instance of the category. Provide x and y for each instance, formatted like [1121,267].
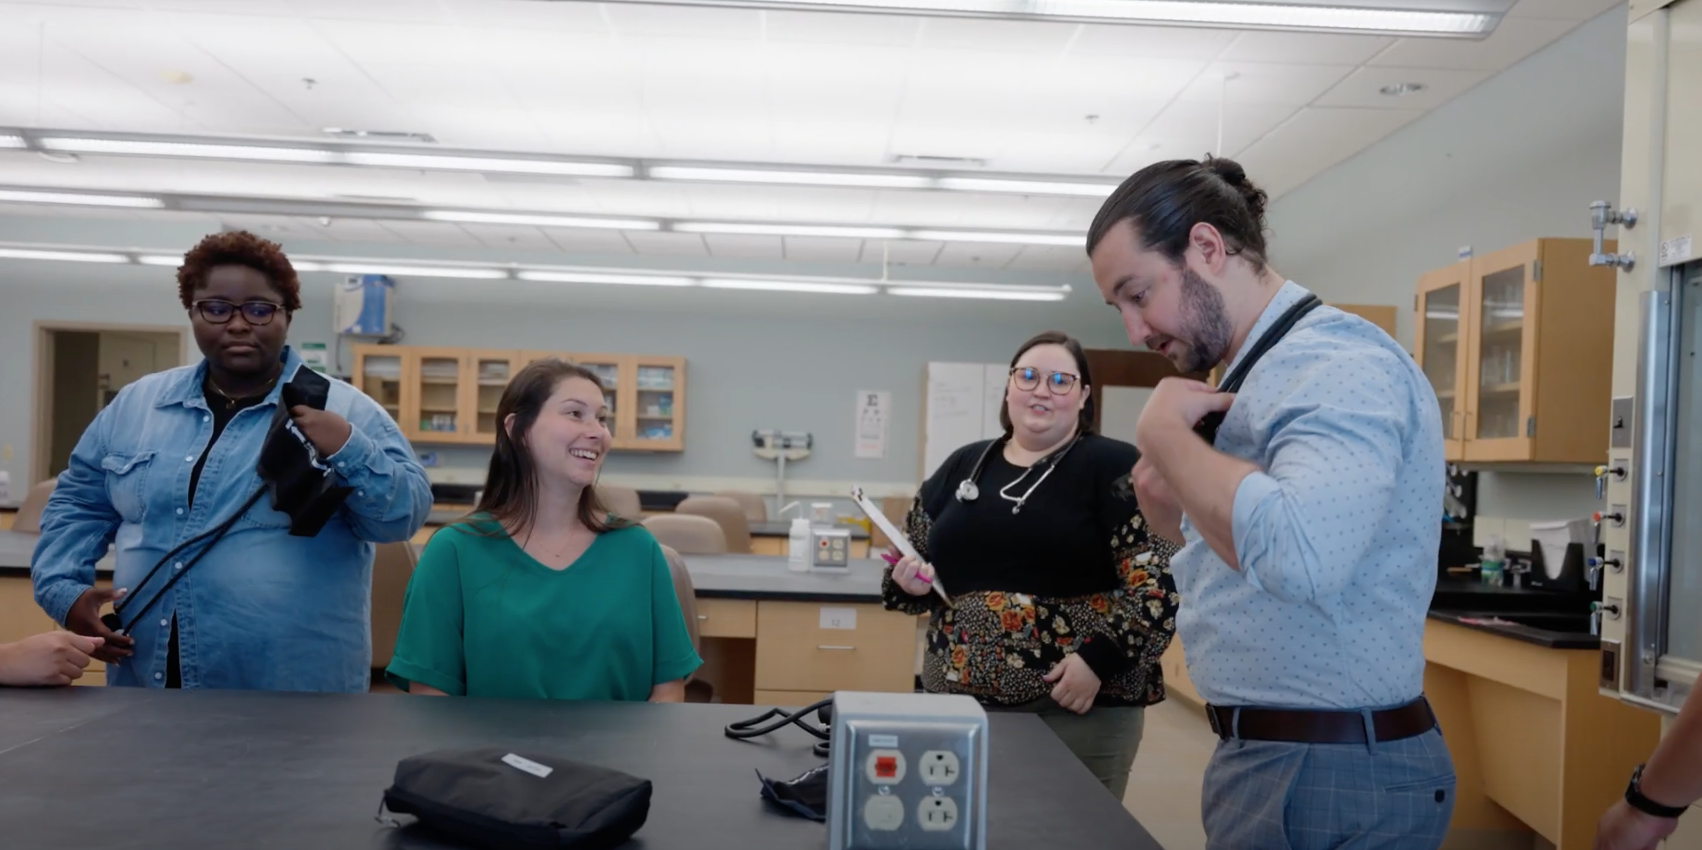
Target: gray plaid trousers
[1269,795]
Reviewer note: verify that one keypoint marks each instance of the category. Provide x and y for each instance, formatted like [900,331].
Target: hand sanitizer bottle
[798,546]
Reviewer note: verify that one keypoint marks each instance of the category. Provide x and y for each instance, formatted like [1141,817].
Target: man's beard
[1206,330]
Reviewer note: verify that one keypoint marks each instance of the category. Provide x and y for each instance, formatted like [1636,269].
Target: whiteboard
[961,406]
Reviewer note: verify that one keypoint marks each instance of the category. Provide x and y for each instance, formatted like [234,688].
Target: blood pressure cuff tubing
[299,482]
[500,798]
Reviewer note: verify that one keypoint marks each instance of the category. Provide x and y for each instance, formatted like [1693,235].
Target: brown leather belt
[1320,727]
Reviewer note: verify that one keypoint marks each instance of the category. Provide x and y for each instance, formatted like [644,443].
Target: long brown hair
[1084,417]
[511,486]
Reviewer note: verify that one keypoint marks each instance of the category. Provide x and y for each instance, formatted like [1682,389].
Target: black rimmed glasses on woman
[1027,378]
[218,311]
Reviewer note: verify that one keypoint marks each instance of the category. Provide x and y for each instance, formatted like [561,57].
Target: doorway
[79,371]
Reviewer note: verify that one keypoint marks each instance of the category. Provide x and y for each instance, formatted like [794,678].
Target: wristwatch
[1634,796]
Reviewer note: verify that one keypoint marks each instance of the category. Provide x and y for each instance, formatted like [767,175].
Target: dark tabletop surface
[1503,624]
[132,768]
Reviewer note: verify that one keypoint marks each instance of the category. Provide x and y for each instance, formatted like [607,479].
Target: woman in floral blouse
[1061,601]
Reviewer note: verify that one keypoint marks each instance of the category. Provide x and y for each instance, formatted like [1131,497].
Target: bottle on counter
[798,546]
[1493,564]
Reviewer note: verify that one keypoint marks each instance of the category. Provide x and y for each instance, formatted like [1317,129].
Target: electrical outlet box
[830,549]
[907,772]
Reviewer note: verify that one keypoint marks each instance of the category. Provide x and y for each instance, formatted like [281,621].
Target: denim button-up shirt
[262,610]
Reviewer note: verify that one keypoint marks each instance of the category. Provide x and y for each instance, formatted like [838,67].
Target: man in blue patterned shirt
[1309,523]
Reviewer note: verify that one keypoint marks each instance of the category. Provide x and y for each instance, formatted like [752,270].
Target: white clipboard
[892,533]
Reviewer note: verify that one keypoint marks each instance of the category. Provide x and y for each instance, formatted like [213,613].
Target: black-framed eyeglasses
[219,311]
[1027,378]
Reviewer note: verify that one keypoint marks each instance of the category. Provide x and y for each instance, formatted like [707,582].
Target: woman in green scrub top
[540,593]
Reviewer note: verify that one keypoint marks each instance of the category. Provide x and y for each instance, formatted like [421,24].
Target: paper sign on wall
[874,413]
[839,618]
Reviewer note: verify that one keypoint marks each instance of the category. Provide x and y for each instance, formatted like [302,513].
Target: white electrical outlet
[939,767]
[937,814]
[884,813]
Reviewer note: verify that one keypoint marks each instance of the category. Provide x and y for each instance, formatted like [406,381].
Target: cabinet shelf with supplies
[1518,345]
[450,395]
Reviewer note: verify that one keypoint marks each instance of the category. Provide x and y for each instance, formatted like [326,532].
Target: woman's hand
[1076,686]
[913,576]
[84,619]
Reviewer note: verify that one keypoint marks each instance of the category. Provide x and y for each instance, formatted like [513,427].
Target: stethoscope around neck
[967,491]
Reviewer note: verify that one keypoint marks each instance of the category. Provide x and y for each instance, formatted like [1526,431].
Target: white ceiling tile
[360,230]
[1513,39]
[1361,88]
[1155,42]
[997,36]
[518,16]
[830,142]
[833,28]
[668,244]
[1070,153]
[812,249]
[432,233]
[1568,10]
[712,137]
[734,202]
[1188,130]
[611,133]
[629,19]
[1315,139]
[442,87]
[1051,258]
[1265,83]
[977,255]
[901,252]
[745,247]
[1309,48]
[509,237]
[277,228]
[584,241]
[491,128]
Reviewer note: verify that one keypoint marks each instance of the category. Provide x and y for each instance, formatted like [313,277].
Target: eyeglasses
[253,312]
[1027,378]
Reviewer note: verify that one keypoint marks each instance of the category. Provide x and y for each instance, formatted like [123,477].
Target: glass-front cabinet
[1518,346]
[439,411]
[1439,327]
[490,373]
[380,374]
[1500,421]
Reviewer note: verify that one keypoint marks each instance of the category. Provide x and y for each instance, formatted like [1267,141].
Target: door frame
[41,393]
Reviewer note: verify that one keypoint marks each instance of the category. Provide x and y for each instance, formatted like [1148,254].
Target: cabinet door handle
[839,648]
[703,616]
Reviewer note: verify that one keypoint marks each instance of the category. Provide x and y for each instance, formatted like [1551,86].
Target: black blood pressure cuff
[499,798]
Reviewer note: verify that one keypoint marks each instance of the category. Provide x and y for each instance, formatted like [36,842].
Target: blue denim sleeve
[391,497]
[77,524]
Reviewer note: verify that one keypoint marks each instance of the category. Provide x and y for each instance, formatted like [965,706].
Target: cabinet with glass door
[1518,345]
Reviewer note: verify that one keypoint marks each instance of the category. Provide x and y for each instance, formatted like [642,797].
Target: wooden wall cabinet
[450,395]
[1518,345]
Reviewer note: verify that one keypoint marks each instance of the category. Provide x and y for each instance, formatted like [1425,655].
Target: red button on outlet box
[886,767]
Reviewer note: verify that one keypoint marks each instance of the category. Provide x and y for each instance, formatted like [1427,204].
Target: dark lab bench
[111,767]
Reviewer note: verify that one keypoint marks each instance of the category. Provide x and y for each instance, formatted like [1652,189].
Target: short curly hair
[238,248]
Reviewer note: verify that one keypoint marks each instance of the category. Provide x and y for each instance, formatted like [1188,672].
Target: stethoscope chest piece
[967,491]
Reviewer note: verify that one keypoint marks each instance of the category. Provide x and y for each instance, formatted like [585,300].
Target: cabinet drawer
[862,648]
[731,618]
[790,699]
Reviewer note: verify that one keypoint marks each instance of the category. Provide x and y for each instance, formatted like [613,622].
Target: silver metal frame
[1650,678]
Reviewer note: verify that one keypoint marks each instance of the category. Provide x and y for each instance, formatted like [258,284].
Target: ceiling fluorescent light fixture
[471,217]
[851,179]
[10,141]
[791,286]
[789,230]
[547,276]
[1072,240]
[1026,187]
[988,293]
[62,256]
[1283,16]
[555,167]
[163,260]
[19,196]
[465,273]
[187,149]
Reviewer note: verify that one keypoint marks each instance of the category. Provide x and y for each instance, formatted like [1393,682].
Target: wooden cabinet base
[1535,747]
